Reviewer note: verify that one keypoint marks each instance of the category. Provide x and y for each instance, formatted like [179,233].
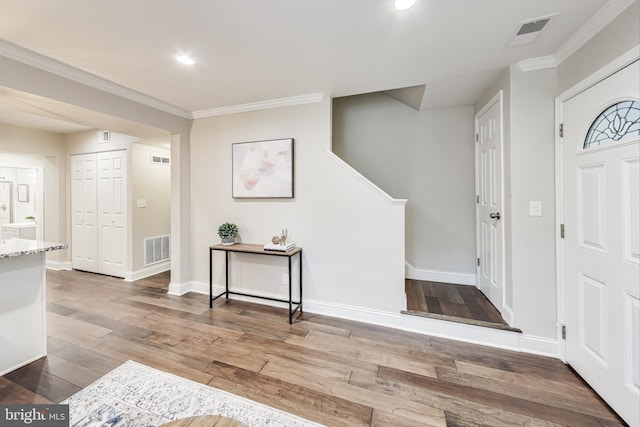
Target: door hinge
[477,198]
[562,231]
[561,130]
[478,262]
[564,331]
[476,137]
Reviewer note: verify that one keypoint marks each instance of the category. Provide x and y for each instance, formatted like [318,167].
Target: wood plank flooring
[455,303]
[328,370]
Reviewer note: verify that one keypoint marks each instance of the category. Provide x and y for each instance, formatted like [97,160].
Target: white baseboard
[59,265]
[496,338]
[161,267]
[439,276]
[183,288]
[540,345]
[507,314]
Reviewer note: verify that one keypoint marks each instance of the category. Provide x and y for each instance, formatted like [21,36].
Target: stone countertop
[10,248]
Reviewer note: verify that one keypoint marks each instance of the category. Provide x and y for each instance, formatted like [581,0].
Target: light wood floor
[331,371]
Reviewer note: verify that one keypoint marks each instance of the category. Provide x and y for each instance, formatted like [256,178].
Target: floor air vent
[156,249]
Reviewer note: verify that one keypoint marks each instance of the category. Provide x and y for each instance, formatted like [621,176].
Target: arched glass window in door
[613,124]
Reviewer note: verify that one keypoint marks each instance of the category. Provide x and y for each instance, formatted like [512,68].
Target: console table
[254,249]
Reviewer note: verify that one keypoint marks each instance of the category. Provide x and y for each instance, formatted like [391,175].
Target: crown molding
[261,105]
[42,62]
[593,26]
[539,63]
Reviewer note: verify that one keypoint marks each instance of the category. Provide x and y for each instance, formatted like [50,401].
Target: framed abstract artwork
[262,169]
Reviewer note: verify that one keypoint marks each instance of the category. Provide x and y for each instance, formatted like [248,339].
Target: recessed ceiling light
[404,4]
[184,60]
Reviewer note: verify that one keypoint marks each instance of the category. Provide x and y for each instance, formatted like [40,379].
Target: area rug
[137,395]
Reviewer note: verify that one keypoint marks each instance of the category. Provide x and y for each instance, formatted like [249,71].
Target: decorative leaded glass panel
[617,121]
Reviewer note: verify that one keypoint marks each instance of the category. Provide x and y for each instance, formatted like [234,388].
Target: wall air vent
[104,136]
[160,160]
[528,31]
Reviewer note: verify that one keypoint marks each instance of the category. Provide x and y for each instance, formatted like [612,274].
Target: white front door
[112,202]
[84,244]
[489,212]
[601,192]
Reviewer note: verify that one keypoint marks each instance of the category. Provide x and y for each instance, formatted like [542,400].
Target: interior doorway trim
[611,68]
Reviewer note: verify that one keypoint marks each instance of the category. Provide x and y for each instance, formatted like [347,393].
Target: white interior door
[84,216]
[112,220]
[489,222]
[601,188]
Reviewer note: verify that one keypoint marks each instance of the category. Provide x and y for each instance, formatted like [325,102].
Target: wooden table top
[205,421]
[252,248]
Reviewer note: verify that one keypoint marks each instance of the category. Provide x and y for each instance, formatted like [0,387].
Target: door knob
[495,215]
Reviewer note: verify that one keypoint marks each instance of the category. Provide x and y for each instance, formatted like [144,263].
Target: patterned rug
[137,395]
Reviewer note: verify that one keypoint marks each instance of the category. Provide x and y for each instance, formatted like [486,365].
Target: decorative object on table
[262,169]
[228,233]
[134,394]
[283,237]
[279,243]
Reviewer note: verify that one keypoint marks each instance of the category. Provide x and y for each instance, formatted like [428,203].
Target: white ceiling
[256,50]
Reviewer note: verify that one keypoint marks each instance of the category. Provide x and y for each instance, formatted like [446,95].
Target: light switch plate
[141,203]
[535,208]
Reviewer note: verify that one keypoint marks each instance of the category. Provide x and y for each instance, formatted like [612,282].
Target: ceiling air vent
[529,31]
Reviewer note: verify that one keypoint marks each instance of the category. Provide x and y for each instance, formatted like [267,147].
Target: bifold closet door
[99,208]
[112,198]
[84,214]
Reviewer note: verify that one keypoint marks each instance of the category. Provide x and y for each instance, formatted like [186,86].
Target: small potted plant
[228,233]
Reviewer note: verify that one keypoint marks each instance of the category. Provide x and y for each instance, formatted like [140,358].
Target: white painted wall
[426,157]
[35,148]
[353,238]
